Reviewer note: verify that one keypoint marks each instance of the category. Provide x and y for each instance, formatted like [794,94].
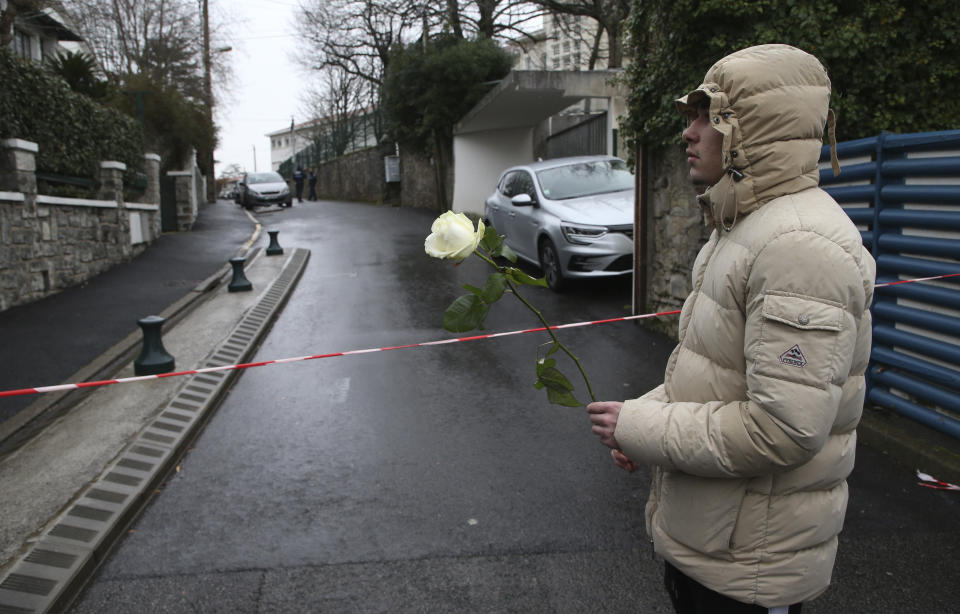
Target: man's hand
[623,462]
[604,416]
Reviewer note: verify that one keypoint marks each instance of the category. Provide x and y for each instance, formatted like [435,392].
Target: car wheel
[550,265]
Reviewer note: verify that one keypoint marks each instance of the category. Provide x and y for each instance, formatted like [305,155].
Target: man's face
[704,145]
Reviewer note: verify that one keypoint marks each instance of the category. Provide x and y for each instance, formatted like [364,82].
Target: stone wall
[361,176]
[419,182]
[49,243]
[675,233]
[357,176]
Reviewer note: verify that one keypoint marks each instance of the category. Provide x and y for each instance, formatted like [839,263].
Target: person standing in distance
[751,436]
[298,183]
[312,182]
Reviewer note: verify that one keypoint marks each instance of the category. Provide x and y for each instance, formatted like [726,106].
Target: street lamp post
[208,100]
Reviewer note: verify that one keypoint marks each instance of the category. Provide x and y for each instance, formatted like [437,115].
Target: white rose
[452,236]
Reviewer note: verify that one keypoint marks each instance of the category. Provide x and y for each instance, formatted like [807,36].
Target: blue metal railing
[915,362]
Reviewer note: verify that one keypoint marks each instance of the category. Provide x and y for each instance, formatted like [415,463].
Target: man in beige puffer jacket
[752,434]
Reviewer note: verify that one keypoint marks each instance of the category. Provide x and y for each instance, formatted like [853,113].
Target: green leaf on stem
[472,289]
[496,284]
[505,252]
[465,313]
[562,398]
[522,278]
[491,240]
[545,364]
[558,386]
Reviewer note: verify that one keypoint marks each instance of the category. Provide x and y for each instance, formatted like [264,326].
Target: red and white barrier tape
[910,281]
[931,482]
[140,378]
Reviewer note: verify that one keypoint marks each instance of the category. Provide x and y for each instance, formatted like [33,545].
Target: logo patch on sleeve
[793,357]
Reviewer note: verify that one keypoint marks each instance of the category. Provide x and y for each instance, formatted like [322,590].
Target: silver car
[571,216]
[265,188]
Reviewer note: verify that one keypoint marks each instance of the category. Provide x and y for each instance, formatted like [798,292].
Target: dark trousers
[313,191]
[691,597]
[299,185]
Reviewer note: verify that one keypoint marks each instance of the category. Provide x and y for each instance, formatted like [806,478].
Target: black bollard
[153,358]
[239,283]
[274,248]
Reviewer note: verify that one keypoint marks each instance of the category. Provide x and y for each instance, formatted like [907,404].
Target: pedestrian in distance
[298,183]
[312,181]
[751,436]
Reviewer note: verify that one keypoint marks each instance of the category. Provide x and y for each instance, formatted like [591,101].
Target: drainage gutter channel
[53,571]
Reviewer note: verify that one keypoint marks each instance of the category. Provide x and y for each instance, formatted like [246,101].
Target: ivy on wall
[894,64]
[73,133]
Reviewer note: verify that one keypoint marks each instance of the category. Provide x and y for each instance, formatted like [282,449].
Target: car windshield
[585,179]
[264,178]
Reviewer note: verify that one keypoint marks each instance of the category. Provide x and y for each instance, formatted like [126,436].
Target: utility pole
[208,95]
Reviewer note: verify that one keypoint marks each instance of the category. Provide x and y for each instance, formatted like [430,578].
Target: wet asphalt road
[438,479]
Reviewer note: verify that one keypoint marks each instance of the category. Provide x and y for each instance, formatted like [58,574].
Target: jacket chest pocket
[798,339]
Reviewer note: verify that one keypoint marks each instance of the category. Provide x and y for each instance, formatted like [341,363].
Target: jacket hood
[771,103]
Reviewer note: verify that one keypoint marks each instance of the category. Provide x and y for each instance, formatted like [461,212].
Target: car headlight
[254,192]
[285,190]
[582,234]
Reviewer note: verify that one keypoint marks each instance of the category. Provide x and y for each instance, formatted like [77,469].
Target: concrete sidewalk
[74,485]
[86,476]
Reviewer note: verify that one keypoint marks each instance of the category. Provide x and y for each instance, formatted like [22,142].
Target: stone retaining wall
[361,176]
[675,234]
[49,243]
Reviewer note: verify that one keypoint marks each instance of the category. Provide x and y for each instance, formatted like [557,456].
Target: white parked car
[571,216]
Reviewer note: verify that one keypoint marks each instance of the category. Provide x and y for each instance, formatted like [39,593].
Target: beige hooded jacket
[752,434]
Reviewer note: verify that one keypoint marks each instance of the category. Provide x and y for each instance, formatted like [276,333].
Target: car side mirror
[522,200]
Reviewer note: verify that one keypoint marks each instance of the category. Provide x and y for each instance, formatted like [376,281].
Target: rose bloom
[452,236]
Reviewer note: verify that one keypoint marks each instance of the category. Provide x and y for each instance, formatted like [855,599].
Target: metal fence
[903,192]
[586,138]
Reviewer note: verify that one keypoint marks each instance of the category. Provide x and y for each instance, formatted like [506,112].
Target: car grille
[626,229]
[623,263]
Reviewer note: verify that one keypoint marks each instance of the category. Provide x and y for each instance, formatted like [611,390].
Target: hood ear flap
[832,131]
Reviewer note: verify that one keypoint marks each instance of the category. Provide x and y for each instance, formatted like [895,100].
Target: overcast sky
[267,85]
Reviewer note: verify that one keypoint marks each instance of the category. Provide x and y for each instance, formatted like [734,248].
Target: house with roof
[39,34]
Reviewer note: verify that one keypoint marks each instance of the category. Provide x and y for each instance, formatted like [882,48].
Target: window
[21,44]
[517,182]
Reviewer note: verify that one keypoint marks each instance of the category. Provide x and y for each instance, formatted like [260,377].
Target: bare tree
[339,104]
[504,19]
[162,38]
[354,36]
[357,35]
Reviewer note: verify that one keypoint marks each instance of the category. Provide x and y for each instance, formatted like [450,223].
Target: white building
[564,43]
[312,140]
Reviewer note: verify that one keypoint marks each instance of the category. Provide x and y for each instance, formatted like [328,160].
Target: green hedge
[73,133]
[894,64]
